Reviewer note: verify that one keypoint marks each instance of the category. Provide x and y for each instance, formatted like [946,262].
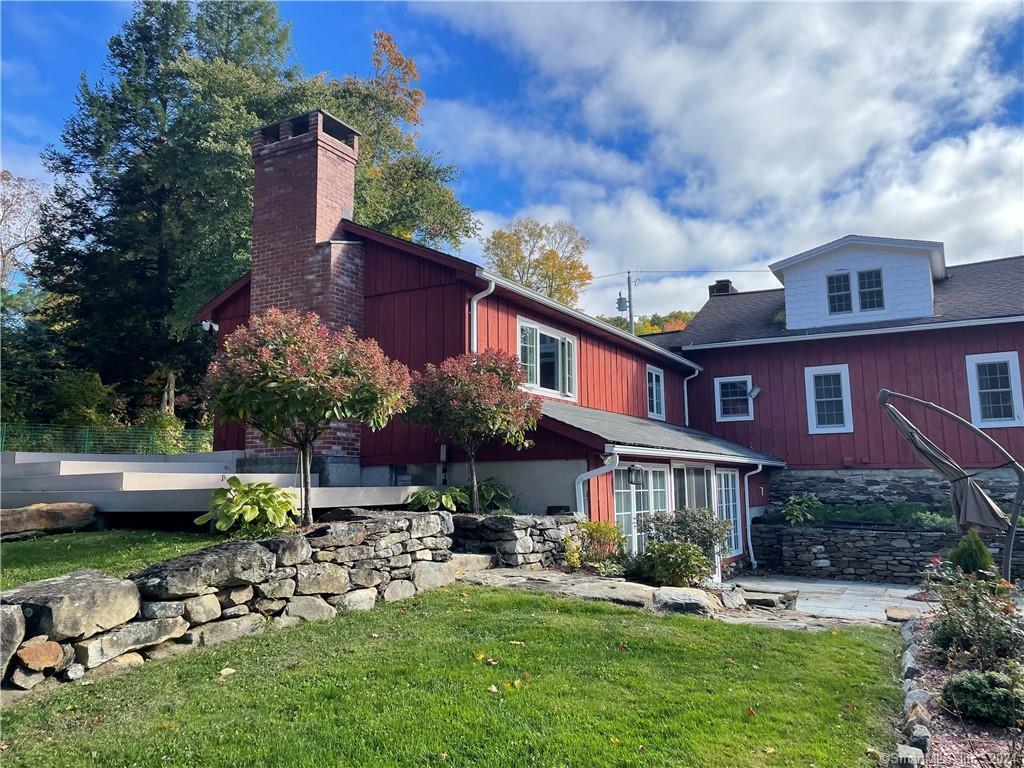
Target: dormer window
[840,298]
[869,289]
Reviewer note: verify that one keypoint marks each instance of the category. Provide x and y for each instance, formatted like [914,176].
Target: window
[840,299]
[692,487]
[548,358]
[869,289]
[732,399]
[829,408]
[729,510]
[655,393]
[634,503]
[993,381]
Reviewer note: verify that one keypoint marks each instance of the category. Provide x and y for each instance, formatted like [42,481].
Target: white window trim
[547,330]
[1013,360]
[853,289]
[718,398]
[885,295]
[735,473]
[669,495]
[812,415]
[661,384]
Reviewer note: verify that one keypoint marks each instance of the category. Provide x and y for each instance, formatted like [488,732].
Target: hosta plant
[451,498]
[258,505]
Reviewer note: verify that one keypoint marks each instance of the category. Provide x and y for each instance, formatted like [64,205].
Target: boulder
[166,609]
[12,632]
[201,609]
[235,611]
[364,577]
[40,656]
[919,737]
[356,600]
[76,605]
[683,600]
[764,600]
[910,757]
[115,666]
[399,589]
[321,578]
[235,596]
[917,696]
[26,678]
[621,592]
[227,629]
[276,589]
[343,534]
[267,606]
[138,634]
[283,622]
[427,575]
[48,518]
[309,608]
[290,550]
[899,614]
[74,671]
[206,571]
[352,554]
[734,599]
[908,666]
[916,714]
[425,525]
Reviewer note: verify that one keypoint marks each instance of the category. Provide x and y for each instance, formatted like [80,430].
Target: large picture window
[548,357]
[829,408]
[993,381]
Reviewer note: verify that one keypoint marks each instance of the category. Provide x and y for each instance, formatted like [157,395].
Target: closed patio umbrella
[972,506]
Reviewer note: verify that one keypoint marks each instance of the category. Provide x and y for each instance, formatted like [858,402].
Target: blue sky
[691,140]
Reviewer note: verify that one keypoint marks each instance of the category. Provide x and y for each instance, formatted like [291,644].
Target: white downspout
[686,398]
[610,463]
[746,499]
[472,313]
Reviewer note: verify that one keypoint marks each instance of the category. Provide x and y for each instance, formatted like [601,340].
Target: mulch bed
[956,742]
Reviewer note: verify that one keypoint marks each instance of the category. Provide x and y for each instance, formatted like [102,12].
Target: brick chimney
[721,288]
[304,186]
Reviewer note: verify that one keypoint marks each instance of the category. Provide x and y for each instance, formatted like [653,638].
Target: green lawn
[597,685]
[118,552]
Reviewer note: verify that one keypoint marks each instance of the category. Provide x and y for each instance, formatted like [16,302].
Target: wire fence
[51,438]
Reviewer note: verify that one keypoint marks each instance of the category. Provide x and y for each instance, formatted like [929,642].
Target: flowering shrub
[472,399]
[290,376]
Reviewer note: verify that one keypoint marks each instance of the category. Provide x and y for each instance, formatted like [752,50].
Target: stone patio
[838,599]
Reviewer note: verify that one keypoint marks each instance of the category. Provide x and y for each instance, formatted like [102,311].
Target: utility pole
[629,298]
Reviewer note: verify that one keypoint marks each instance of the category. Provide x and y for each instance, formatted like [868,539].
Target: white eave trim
[839,334]
[540,298]
[668,453]
[936,252]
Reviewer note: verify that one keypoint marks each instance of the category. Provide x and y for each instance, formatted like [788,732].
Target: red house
[795,372]
[614,403]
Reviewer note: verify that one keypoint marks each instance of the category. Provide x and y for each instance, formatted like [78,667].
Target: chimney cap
[722,288]
[339,129]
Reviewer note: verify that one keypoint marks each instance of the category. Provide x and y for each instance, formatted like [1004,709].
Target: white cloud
[790,124]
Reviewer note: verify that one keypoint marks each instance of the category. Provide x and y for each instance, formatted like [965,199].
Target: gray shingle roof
[619,429]
[984,289]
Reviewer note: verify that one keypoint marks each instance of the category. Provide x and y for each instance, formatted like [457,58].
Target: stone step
[466,563]
[139,481]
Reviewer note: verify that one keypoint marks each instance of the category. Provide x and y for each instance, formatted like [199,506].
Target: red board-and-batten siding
[927,364]
[229,315]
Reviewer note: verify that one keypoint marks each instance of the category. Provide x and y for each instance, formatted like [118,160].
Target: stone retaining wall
[860,554]
[88,622]
[890,486]
[522,541]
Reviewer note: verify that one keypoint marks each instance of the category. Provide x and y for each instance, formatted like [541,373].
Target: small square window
[840,299]
[869,287]
[732,399]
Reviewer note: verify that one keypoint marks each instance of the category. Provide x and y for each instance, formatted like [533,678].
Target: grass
[118,552]
[408,685]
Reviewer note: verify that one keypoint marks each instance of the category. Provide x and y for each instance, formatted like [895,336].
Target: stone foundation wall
[524,541]
[859,554]
[890,486]
[88,623]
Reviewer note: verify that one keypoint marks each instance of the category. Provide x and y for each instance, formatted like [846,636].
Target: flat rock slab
[76,605]
[901,615]
[47,518]
[583,586]
[226,629]
[131,637]
[206,571]
[683,600]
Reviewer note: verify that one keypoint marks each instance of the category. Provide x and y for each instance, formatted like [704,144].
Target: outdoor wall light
[754,392]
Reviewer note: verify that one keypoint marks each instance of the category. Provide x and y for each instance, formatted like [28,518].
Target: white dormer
[859,279]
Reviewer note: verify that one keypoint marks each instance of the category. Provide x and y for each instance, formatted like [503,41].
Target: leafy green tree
[151,211]
[289,376]
[473,399]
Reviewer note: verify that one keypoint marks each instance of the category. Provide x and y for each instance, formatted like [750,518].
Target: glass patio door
[635,503]
[729,509]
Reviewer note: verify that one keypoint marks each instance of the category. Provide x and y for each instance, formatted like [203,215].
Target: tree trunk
[167,398]
[306,460]
[474,490]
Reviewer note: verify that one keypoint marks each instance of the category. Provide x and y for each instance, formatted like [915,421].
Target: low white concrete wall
[536,484]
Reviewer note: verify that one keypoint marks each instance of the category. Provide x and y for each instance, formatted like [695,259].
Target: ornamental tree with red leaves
[473,399]
[289,376]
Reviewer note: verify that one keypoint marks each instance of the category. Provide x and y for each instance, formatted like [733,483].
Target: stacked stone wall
[522,541]
[859,553]
[89,623]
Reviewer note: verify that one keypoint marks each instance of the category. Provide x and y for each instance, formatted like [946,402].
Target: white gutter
[746,499]
[610,463]
[668,453]
[686,398]
[582,318]
[839,333]
[473,334]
